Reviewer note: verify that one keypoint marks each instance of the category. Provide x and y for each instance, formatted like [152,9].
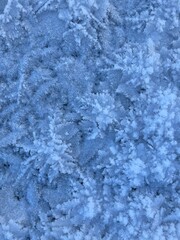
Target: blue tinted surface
[89,120]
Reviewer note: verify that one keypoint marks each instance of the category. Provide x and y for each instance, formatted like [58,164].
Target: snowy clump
[89,120]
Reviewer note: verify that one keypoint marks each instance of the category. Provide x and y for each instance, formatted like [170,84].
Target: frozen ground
[89,120]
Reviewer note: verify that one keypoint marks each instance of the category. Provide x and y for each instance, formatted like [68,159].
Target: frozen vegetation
[89,120]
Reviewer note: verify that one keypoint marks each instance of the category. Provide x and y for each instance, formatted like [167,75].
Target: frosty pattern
[89,120]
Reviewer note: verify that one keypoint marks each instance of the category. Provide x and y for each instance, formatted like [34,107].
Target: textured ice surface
[2,5]
[89,120]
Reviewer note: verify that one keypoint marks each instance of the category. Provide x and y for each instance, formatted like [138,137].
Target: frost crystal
[89,120]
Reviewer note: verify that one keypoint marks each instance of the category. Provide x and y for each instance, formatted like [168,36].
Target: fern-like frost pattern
[89,120]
